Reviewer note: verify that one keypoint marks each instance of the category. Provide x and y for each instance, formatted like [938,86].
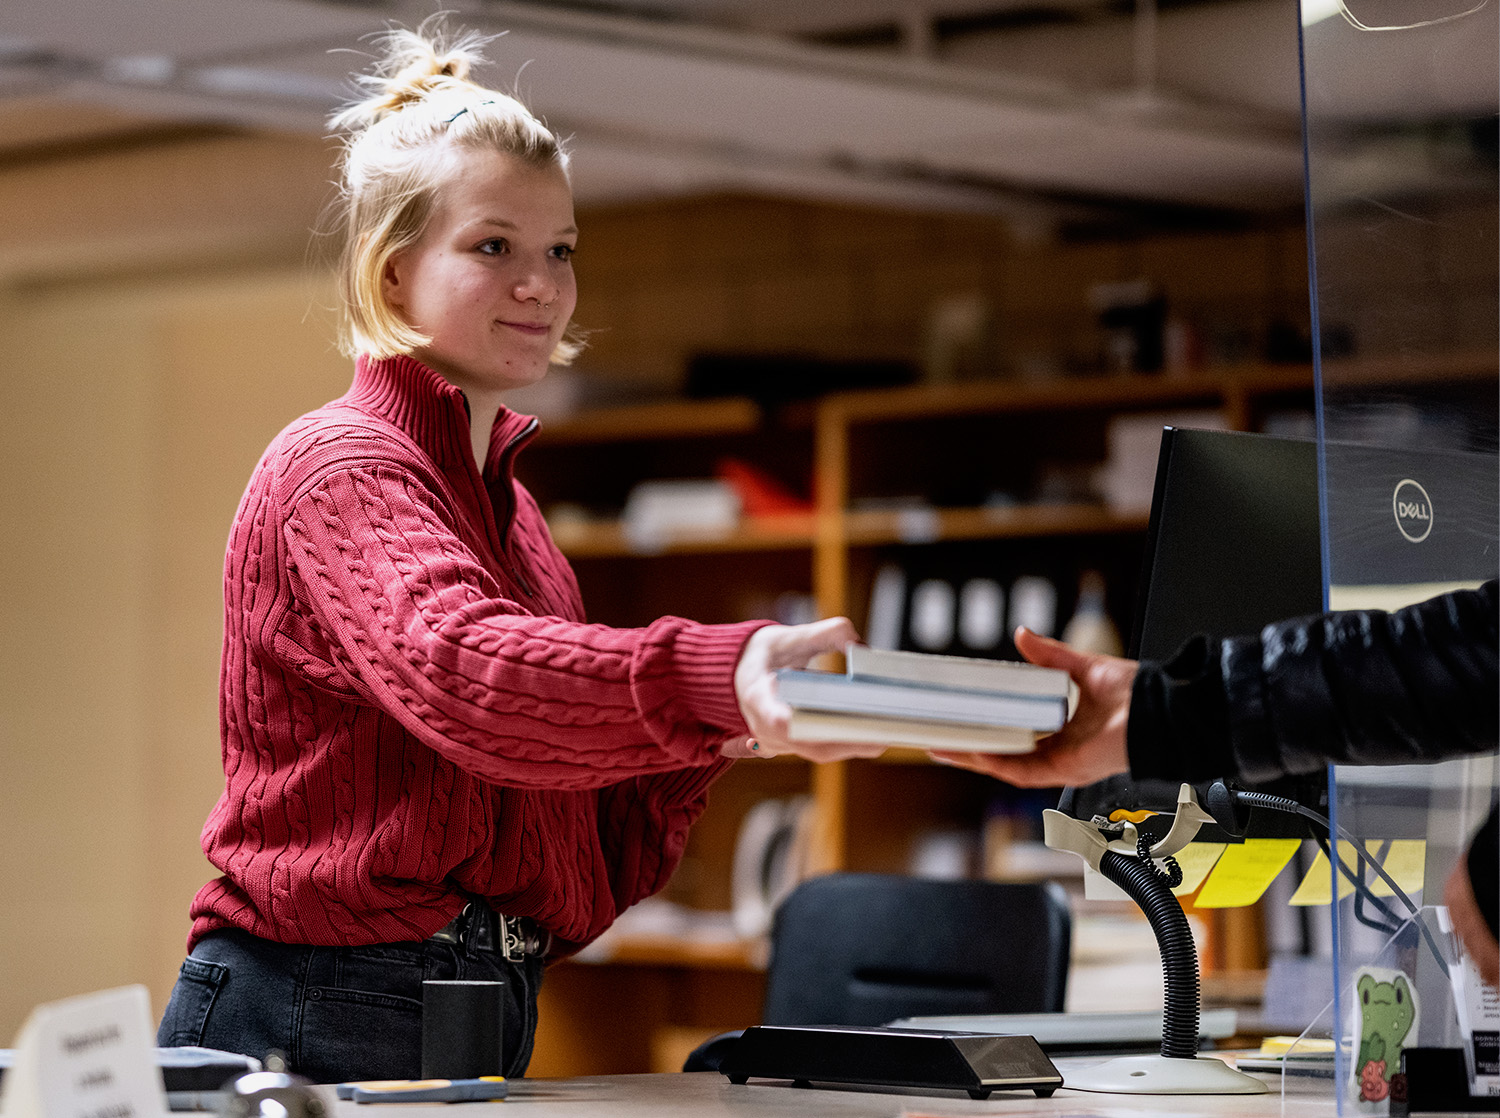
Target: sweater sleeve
[1353,687]
[425,632]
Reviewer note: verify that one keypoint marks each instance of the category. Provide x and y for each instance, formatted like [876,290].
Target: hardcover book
[818,725]
[831,691]
[1011,677]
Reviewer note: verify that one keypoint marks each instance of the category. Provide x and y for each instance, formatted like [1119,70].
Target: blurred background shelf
[677,951]
[610,539]
[883,467]
[663,419]
[921,526]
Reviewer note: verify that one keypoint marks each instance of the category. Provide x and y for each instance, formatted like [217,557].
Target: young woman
[434,768]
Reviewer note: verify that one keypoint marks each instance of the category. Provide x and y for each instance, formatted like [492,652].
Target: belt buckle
[516,942]
[513,942]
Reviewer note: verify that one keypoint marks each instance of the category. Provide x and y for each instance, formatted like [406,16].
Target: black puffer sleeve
[1354,687]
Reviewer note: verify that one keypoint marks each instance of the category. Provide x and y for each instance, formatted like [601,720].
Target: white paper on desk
[86,1056]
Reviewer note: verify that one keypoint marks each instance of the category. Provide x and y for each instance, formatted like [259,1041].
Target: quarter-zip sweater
[414,712]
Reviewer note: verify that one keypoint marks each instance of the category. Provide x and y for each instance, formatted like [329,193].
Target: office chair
[865,949]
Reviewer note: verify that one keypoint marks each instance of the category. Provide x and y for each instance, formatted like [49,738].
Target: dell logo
[1413,510]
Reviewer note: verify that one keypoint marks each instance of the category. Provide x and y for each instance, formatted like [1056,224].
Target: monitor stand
[1178,1070]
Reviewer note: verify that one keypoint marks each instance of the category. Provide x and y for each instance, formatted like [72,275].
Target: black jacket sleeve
[1355,687]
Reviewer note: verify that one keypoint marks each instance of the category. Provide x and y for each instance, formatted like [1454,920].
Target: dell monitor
[1234,543]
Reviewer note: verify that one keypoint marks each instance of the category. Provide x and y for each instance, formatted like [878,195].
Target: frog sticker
[1387,1014]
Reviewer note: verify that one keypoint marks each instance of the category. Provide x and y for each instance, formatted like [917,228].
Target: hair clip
[465,109]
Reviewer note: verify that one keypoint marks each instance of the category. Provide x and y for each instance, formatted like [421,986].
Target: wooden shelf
[863,528]
[1063,393]
[922,525]
[669,951]
[607,539]
[666,419]
[683,419]
[1201,387]
[1445,368]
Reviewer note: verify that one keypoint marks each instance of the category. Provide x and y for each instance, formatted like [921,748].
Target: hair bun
[412,66]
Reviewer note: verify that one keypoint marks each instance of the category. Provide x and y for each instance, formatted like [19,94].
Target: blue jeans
[335,1013]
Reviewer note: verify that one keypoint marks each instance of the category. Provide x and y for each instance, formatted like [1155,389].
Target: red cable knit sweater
[412,708]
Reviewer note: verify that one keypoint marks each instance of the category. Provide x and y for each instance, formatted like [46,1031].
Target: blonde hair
[421,106]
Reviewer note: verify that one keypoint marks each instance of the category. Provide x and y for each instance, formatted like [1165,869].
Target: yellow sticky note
[1404,860]
[1196,859]
[1243,872]
[1314,889]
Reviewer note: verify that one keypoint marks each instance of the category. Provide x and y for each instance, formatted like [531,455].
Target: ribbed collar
[435,413]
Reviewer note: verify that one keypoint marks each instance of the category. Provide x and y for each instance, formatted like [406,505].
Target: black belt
[481,928]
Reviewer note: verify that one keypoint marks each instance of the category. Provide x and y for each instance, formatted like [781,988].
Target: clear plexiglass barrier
[1400,101]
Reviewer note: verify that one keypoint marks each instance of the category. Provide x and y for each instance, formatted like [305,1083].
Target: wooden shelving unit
[608,540]
[865,811]
[665,420]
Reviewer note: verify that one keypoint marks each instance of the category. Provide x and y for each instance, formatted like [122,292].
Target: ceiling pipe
[1145,40]
[918,36]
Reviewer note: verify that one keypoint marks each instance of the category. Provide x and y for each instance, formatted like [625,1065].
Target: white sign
[1478,1007]
[86,1057]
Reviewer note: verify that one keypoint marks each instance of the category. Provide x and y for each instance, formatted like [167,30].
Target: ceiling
[1028,108]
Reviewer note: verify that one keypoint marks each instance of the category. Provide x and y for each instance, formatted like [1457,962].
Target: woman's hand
[786,646]
[1091,746]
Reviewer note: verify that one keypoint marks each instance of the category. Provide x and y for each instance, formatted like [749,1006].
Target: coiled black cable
[1179,956]
[1173,874]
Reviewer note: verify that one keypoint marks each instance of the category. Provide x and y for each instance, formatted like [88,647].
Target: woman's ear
[391,274]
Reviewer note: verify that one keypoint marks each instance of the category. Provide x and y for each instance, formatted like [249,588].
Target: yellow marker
[1405,860]
[486,1087]
[1196,859]
[1243,872]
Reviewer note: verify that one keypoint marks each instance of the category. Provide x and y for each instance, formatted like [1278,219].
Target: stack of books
[928,701]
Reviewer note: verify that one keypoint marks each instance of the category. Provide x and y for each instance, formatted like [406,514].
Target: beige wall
[130,418]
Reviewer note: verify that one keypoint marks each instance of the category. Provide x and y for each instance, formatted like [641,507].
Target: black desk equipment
[978,1063]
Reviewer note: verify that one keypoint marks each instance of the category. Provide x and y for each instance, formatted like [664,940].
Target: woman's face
[491,279]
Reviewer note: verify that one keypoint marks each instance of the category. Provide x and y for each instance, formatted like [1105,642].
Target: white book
[966,673]
[818,725]
[831,691]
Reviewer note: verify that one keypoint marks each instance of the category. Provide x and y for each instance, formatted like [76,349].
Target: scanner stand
[1178,1070]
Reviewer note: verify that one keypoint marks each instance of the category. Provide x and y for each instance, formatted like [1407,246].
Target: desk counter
[710,1095]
